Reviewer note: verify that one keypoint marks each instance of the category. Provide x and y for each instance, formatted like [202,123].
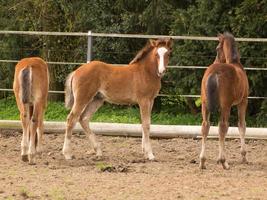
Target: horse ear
[169,42]
[153,43]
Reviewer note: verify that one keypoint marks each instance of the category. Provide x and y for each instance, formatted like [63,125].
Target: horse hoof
[225,166]
[99,153]
[32,163]
[31,159]
[39,150]
[69,157]
[151,157]
[202,167]
[244,161]
[24,158]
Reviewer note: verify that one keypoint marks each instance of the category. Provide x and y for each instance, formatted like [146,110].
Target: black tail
[212,92]
[25,79]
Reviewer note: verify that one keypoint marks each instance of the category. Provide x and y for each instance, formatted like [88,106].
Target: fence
[90,36]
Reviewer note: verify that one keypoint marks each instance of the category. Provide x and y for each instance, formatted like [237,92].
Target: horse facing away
[31,82]
[224,85]
[137,83]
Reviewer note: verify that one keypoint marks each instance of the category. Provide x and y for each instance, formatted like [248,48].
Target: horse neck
[232,55]
[149,66]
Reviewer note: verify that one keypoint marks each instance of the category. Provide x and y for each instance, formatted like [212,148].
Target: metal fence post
[89,46]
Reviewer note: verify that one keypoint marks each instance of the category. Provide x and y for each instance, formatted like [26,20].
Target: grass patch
[104,167]
[118,114]
[24,193]
[107,113]
[56,194]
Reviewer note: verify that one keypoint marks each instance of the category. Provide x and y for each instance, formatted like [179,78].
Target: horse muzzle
[161,74]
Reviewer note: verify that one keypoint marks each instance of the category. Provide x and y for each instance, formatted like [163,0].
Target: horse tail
[69,98]
[25,82]
[212,92]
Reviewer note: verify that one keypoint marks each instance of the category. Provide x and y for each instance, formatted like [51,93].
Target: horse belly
[117,97]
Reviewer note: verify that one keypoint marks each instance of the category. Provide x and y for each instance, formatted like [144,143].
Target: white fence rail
[125,35]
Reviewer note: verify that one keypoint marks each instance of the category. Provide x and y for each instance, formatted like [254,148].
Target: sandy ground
[122,173]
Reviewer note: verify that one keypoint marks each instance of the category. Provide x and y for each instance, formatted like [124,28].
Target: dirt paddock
[122,173]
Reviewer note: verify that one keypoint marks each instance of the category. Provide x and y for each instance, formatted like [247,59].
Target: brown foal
[137,83]
[224,85]
[31,82]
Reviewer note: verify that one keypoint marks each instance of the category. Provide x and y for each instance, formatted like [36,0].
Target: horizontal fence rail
[171,66]
[126,35]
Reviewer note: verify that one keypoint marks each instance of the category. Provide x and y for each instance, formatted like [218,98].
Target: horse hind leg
[71,121]
[40,132]
[242,128]
[223,128]
[85,117]
[204,131]
[25,118]
[35,117]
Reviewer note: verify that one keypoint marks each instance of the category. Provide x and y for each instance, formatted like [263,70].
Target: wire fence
[90,34]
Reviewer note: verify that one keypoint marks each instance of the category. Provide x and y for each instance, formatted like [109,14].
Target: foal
[224,84]
[137,83]
[31,82]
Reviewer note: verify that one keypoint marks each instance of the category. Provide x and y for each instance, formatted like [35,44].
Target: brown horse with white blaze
[224,85]
[31,82]
[137,83]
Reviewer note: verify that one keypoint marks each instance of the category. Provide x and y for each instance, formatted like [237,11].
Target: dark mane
[144,51]
[234,52]
[147,48]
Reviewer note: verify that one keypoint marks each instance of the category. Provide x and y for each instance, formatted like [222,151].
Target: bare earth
[122,173]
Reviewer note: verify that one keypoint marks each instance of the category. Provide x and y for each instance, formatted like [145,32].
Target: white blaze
[161,51]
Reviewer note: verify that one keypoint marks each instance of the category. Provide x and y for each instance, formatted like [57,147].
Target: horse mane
[144,51]
[147,48]
[235,58]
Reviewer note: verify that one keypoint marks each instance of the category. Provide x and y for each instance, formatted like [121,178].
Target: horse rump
[212,92]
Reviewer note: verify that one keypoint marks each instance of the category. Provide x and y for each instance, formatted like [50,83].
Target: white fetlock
[67,150]
[31,159]
[99,152]
[39,149]
[151,156]
[68,156]
[225,165]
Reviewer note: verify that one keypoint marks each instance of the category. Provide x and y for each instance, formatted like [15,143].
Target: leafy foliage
[246,18]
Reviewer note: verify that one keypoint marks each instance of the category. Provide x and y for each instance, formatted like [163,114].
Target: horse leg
[143,135]
[25,119]
[33,128]
[40,131]
[223,128]
[85,117]
[145,110]
[204,132]
[242,128]
[71,121]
